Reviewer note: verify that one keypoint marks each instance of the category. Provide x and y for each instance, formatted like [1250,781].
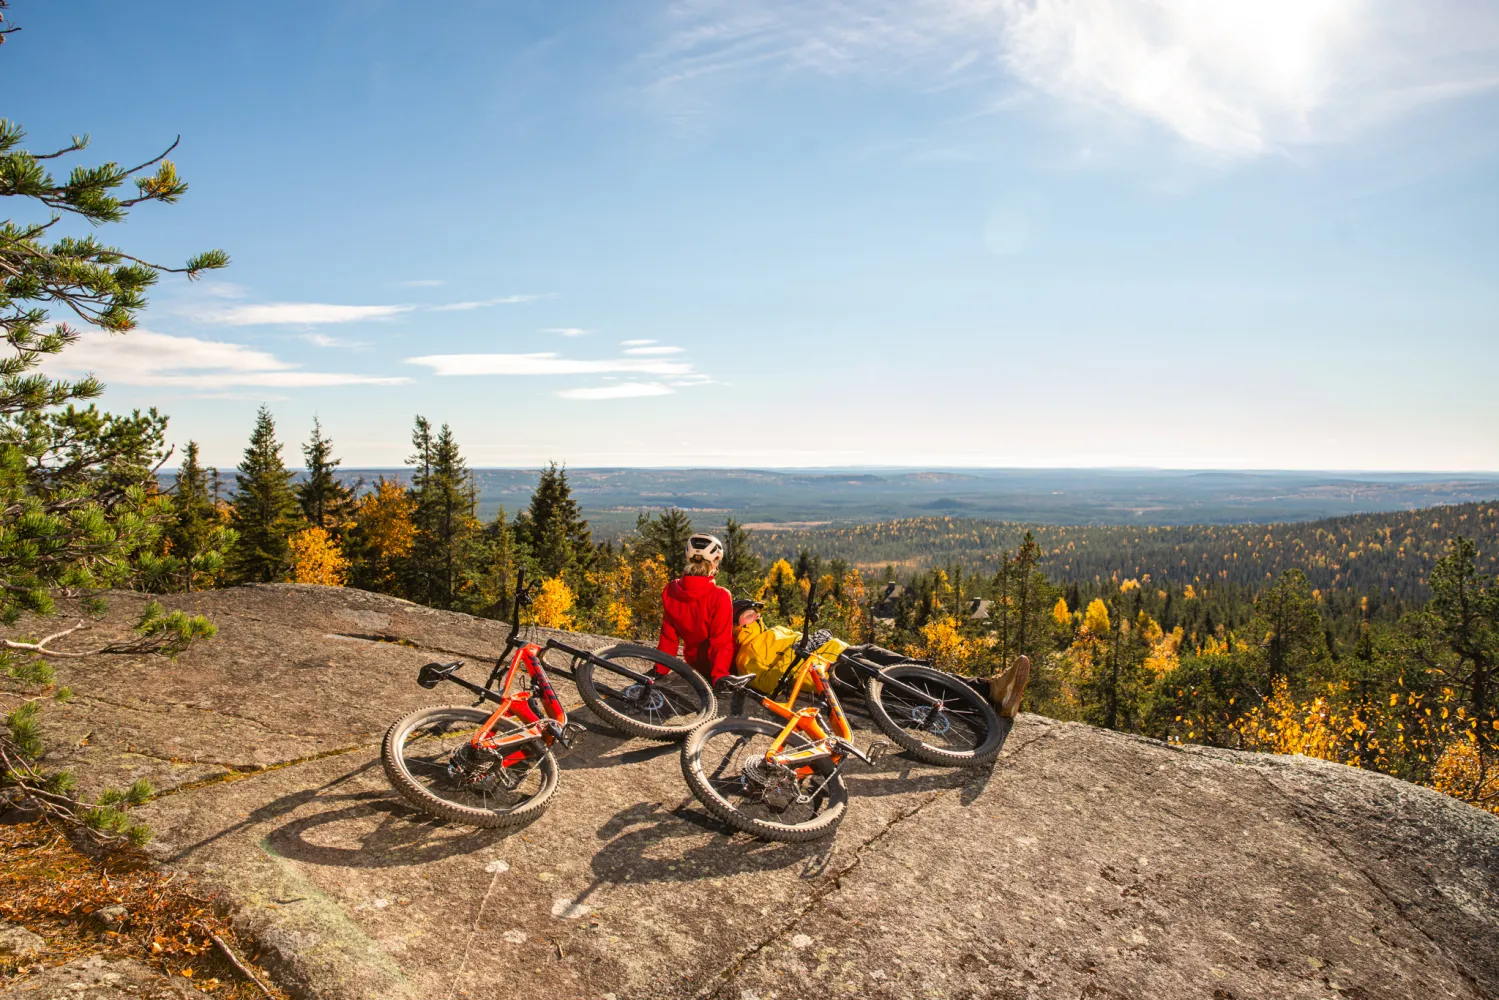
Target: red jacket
[698,614]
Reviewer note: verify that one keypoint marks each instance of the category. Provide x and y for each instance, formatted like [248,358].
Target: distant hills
[1385,554]
[612,497]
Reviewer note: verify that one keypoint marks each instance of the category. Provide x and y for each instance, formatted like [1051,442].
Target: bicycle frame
[834,745]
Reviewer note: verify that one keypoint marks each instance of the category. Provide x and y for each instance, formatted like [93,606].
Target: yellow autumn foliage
[317,558]
[553,604]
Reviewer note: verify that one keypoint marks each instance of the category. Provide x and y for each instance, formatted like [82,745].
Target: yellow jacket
[768,652]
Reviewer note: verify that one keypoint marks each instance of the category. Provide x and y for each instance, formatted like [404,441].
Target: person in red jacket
[697,620]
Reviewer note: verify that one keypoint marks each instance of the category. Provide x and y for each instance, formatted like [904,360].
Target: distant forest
[1385,556]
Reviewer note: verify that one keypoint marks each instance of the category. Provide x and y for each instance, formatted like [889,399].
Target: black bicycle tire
[410,790]
[822,826]
[583,677]
[985,753]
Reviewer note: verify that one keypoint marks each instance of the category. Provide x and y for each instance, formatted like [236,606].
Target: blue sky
[1251,234]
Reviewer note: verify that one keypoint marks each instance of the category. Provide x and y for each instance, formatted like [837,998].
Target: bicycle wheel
[964,733]
[667,709]
[430,762]
[724,764]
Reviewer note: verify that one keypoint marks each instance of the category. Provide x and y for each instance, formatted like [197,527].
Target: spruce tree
[556,536]
[447,531]
[326,502]
[666,535]
[264,510]
[198,536]
[741,568]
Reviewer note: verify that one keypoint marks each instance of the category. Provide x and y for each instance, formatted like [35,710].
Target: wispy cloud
[654,350]
[295,314]
[503,300]
[566,331]
[1238,77]
[147,358]
[543,363]
[624,390]
[636,343]
[323,340]
[322,313]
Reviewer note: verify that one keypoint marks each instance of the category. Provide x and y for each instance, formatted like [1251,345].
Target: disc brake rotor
[940,725]
[650,700]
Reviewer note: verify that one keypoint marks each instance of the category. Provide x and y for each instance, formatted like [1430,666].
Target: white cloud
[143,357]
[624,390]
[323,340]
[294,314]
[543,363]
[503,300]
[318,313]
[566,331]
[654,350]
[1238,77]
[636,343]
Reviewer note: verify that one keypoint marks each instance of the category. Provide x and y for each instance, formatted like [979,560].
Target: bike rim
[436,754]
[957,727]
[671,701]
[724,758]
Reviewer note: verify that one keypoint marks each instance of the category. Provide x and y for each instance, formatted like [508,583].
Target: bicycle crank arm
[877,750]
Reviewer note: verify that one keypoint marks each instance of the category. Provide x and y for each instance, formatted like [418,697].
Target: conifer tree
[496,566]
[666,535]
[741,568]
[556,536]
[79,503]
[198,536]
[445,498]
[264,509]
[326,502]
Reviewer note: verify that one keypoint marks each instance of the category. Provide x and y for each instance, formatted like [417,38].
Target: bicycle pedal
[877,749]
[569,734]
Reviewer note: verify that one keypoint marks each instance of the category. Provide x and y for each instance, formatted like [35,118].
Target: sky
[1245,234]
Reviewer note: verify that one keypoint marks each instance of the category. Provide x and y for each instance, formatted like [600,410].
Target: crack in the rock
[725,977]
[153,708]
[1311,824]
[255,770]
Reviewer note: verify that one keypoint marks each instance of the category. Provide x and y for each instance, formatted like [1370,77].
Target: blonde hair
[699,566]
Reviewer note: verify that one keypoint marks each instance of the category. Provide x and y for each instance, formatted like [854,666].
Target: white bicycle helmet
[706,549]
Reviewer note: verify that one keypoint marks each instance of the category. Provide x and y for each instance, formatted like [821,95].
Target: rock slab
[1083,864]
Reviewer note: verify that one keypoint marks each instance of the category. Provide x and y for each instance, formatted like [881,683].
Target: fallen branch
[234,961]
[40,646]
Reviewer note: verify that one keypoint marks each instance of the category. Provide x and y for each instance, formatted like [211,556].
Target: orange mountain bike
[777,781]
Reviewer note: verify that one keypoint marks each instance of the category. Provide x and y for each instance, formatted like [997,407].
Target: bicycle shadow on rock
[596,748]
[641,841]
[336,832]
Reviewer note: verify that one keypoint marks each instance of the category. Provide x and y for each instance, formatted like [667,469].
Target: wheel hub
[648,699]
[939,726]
[775,783]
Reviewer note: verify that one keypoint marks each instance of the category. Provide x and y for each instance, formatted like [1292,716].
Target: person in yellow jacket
[767,652]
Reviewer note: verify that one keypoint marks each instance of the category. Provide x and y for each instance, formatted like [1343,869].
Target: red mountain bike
[493,766]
